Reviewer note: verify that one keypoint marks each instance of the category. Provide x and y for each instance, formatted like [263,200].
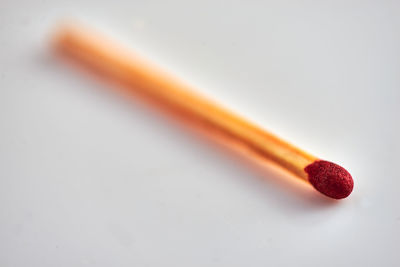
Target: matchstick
[328,178]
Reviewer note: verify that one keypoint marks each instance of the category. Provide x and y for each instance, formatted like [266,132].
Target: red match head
[330,179]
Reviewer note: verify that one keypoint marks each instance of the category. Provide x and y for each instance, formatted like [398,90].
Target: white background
[88,178]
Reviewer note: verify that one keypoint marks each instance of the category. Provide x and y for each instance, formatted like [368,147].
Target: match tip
[330,179]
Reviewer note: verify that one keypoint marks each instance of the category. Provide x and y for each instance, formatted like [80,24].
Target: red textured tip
[330,179]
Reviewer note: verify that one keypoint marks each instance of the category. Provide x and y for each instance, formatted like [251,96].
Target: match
[328,178]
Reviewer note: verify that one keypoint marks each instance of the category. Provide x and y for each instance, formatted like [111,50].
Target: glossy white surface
[88,178]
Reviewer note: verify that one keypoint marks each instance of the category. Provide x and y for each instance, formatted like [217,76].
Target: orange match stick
[328,178]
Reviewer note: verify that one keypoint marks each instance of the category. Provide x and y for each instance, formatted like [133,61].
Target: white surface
[90,179]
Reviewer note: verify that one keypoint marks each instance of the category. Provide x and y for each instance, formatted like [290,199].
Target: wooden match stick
[328,178]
